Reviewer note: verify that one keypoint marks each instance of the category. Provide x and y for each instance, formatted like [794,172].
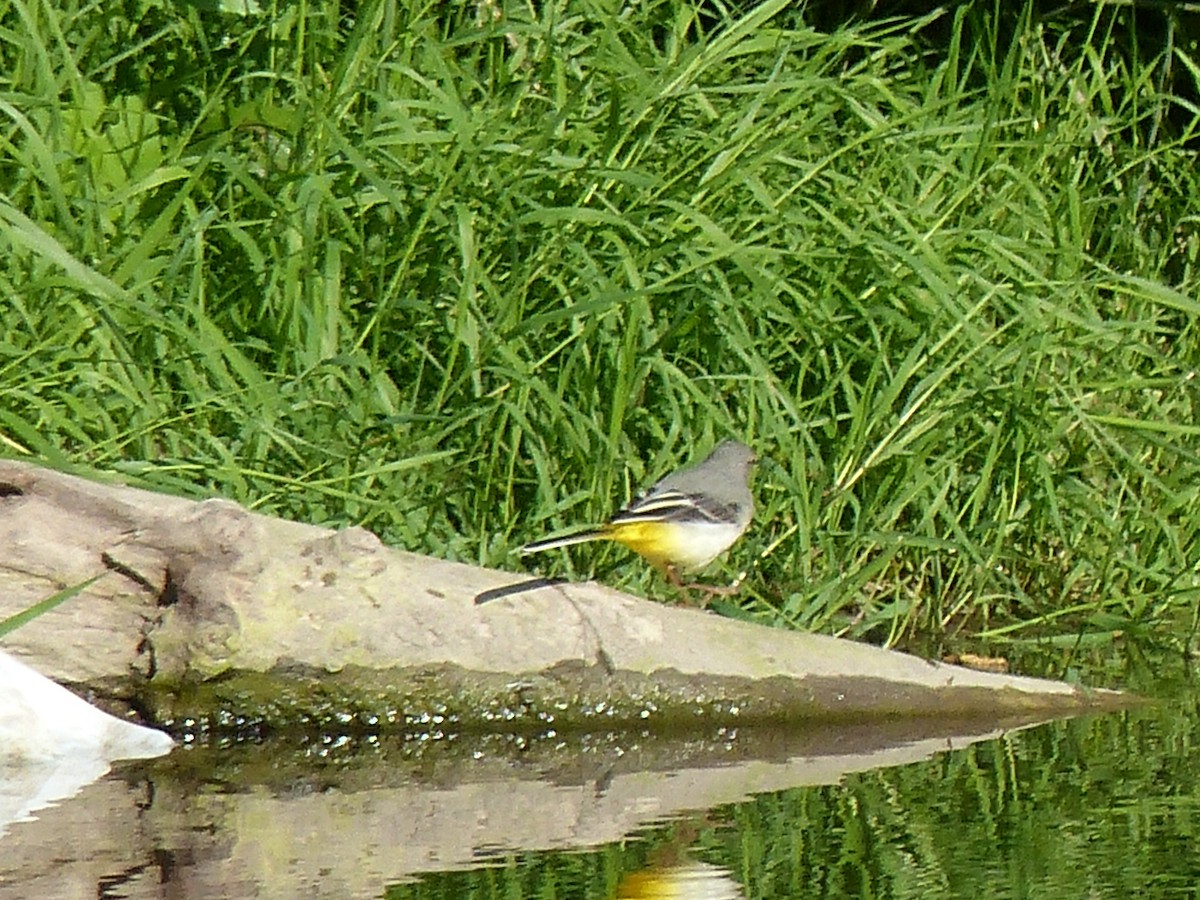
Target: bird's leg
[672,574]
[708,590]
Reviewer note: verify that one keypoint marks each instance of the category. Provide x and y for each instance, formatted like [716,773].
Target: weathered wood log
[209,616]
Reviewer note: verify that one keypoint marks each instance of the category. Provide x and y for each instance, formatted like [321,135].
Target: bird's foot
[707,591]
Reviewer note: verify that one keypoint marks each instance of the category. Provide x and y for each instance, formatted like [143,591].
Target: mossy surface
[569,699]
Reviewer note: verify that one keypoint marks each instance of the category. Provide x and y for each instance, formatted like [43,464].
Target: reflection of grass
[462,279]
[1097,807]
[1084,808]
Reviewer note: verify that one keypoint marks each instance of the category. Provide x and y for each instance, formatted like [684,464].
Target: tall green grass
[463,274]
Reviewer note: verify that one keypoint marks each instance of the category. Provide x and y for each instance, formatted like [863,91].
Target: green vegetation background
[467,273]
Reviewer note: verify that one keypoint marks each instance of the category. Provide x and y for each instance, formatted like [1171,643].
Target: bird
[684,521]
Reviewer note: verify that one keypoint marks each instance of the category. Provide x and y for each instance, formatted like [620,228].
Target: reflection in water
[254,820]
[688,881]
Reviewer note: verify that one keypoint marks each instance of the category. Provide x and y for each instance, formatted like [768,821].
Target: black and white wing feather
[677,506]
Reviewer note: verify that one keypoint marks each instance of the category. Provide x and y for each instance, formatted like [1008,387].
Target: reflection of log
[206,606]
[279,825]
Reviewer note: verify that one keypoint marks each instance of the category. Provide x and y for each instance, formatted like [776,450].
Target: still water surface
[1106,807]
[1096,807]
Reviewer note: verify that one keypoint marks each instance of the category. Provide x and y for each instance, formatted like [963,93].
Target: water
[1074,810]
[1101,808]
[1104,806]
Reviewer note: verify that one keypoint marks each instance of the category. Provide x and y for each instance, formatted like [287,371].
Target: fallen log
[211,618]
